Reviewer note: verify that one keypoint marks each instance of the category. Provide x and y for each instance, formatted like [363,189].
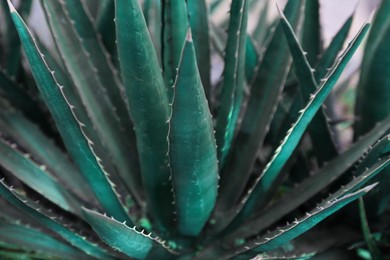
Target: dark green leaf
[193,155]
[70,129]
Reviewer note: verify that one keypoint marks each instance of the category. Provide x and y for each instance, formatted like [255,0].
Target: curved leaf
[70,129]
[128,240]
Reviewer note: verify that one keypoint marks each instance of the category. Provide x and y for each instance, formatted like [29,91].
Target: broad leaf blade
[33,240]
[97,85]
[256,194]
[312,185]
[125,239]
[32,211]
[70,129]
[31,138]
[284,234]
[192,151]
[264,94]
[36,177]
[149,107]
[199,22]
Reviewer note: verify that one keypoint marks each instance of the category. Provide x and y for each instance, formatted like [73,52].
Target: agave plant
[115,143]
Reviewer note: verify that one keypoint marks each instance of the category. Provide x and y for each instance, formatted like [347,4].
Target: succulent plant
[116,143]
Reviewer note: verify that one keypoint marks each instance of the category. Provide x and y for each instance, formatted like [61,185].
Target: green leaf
[174,28]
[319,129]
[284,234]
[252,58]
[125,239]
[330,54]
[193,155]
[264,95]
[153,17]
[98,86]
[20,99]
[311,31]
[311,186]
[33,240]
[199,23]
[373,95]
[105,27]
[70,129]
[31,138]
[36,177]
[371,244]
[256,193]
[231,97]
[149,106]
[69,236]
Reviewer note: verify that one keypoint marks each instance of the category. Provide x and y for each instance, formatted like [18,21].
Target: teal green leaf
[31,138]
[311,31]
[77,144]
[264,94]
[149,107]
[319,129]
[330,54]
[32,211]
[153,17]
[125,239]
[368,237]
[105,27]
[19,98]
[174,29]
[193,155]
[252,59]
[312,185]
[36,177]
[199,23]
[232,93]
[283,152]
[32,240]
[286,233]
[373,91]
[98,86]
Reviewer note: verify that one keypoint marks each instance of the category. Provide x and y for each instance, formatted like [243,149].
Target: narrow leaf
[70,129]
[284,234]
[47,222]
[31,138]
[232,93]
[97,85]
[262,184]
[311,186]
[125,239]
[36,177]
[319,129]
[264,95]
[148,102]
[175,24]
[373,95]
[33,240]
[192,151]
[199,22]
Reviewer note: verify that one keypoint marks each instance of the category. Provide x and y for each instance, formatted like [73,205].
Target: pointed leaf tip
[189,35]
[11,7]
